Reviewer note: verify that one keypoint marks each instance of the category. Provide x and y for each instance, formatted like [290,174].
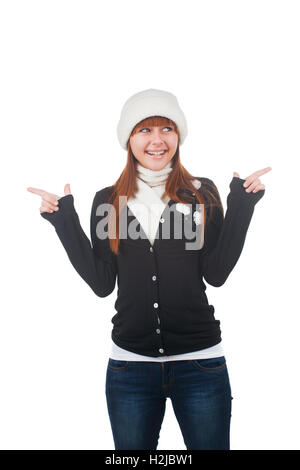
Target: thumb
[236,174]
[67,189]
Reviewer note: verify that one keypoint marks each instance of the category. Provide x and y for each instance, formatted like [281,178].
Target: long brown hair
[179,180]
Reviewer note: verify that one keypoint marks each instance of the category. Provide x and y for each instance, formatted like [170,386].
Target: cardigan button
[161,350]
[155,305]
[151,249]
[158,331]
[162,220]
[153,278]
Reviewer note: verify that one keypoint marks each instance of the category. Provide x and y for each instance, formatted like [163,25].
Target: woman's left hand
[252,182]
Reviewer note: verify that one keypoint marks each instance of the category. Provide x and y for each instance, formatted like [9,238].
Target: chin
[155,164]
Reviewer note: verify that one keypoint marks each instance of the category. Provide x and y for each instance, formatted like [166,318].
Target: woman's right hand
[49,200]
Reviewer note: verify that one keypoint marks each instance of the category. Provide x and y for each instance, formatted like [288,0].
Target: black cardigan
[161,305]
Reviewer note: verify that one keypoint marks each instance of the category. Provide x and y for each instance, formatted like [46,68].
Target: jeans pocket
[114,364]
[211,365]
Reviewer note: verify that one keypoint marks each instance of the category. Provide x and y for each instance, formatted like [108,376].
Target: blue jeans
[200,392]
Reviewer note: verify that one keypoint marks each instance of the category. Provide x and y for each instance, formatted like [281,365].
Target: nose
[156,137]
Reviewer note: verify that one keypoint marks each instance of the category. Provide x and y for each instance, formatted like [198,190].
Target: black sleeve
[224,237]
[96,264]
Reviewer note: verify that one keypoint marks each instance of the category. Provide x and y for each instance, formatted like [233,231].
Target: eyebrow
[150,127]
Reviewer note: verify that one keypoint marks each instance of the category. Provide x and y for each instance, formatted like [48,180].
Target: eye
[147,128]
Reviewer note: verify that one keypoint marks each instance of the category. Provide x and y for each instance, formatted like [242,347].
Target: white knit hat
[149,103]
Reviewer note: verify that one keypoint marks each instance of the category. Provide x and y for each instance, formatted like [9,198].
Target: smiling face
[154,145]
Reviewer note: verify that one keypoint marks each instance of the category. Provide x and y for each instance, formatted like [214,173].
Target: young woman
[160,232]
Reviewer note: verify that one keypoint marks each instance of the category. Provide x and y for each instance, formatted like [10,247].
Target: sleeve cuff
[238,193]
[66,206]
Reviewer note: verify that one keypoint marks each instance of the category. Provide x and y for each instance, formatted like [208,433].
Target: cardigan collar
[147,205]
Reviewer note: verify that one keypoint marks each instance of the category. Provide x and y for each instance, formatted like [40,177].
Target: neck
[153,177]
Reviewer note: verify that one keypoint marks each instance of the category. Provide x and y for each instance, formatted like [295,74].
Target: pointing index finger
[40,192]
[263,171]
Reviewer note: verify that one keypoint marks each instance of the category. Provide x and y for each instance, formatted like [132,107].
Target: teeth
[156,153]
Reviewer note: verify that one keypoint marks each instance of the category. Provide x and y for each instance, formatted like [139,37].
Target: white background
[67,68]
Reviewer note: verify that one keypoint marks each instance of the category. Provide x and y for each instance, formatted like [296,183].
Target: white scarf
[148,206]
